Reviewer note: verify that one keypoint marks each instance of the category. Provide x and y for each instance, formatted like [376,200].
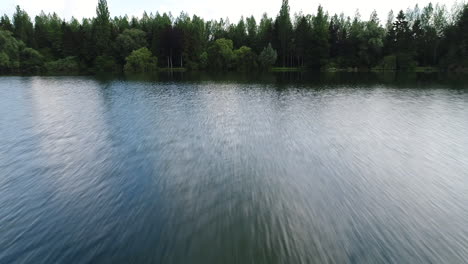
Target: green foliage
[193,35]
[402,33]
[105,63]
[9,51]
[319,51]
[49,35]
[4,61]
[405,62]
[389,63]
[245,59]
[265,32]
[102,28]
[429,37]
[5,23]
[239,35]
[456,43]
[284,31]
[66,65]
[141,60]
[372,45]
[303,38]
[23,28]
[204,60]
[221,55]
[252,31]
[267,57]
[130,40]
[31,60]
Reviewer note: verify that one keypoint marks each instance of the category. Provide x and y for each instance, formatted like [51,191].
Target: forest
[433,36]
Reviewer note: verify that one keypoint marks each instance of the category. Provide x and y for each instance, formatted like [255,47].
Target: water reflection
[307,79]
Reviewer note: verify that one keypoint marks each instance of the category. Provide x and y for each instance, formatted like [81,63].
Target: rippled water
[217,171]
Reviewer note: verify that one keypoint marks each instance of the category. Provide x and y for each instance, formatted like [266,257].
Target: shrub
[31,60]
[204,60]
[67,65]
[405,62]
[221,55]
[245,59]
[105,64]
[389,63]
[141,60]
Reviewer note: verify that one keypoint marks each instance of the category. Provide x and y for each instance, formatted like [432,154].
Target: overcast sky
[209,9]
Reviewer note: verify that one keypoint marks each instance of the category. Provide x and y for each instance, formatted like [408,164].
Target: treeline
[430,36]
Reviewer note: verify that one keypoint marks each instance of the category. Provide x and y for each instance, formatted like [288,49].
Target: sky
[210,9]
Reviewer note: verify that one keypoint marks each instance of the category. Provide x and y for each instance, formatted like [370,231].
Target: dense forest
[431,36]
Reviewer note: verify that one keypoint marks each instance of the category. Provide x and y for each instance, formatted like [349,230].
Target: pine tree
[102,28]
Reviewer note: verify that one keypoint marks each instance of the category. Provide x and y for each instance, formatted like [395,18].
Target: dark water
[262,169]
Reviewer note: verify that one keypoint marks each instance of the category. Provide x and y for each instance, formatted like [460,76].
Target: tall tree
[239,34]
[284,31]
[402,33]
[252,31]
[371,49]
[5,23]
[102,28]
[320,47]
[302,37]
[265,31]
[23,27]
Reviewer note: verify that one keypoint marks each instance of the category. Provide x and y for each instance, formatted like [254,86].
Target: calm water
[274,169]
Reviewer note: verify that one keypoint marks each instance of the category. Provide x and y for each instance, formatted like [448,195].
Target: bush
[221,55]
[31,60]
[389,63]
[141,60]
[4,60]
[405,62]
[9,51]
[245,59]
[130,40]
[191,65]
[67,65]
[203,60]
[105,64]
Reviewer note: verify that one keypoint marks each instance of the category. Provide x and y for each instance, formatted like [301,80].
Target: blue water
[215,171]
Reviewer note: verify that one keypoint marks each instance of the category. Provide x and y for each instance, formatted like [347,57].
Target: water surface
[263,169]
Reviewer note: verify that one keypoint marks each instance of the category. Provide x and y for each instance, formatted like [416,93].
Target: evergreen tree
[5,23]
[267,57]
[430,36]
[302,39]
[265,31]
[252,33]
[284,31]
[23,27]
[319,50]
[371,49]
[102,28]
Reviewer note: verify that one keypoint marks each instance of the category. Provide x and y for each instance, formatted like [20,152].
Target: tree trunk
[171,59]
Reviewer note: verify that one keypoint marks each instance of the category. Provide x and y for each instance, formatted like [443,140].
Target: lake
[226,168]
